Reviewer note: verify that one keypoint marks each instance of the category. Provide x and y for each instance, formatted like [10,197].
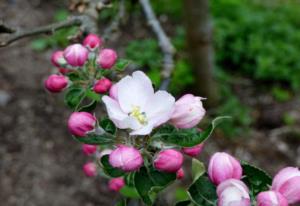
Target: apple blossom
[193,151]
[107,58]
[116,184]
[126,158]
[102,86]
[90,169]
[188,111]
[56,83]
[80,123]
[287,182]
[137,107]
[223,166]
[233,192]
[76,55]
[89,149]
[58,59]
[271,198]
[92,41]
[113,92]
[168,160]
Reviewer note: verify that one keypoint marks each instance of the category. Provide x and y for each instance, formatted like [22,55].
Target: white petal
[143,131]
[134,91]
[160,108]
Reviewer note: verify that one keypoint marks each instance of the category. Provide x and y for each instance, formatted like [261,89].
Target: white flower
[137,107]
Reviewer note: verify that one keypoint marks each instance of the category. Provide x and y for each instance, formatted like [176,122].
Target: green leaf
[257,179]
[148,182]
[129,179]
[92,138]
[123,202]
[108,126]
[202,192]
[93,95]
[39,44]
[74,76]
[74,96]
[198,169]
[110,170]
[129,192]
[121,64]
[186,137]
[183,203]
[181,194]
[90,107]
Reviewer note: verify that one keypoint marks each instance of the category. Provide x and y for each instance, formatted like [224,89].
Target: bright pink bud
[92,41]
[223,166]
[58,59]
[168,160]
[76,55]
[116,184]
[233,192]
[193,151]
[89,149]
[107,58]
[180,174]
[90,169]
[126,158]
[113,92]
[102,86]
[80,123]
[271,198]
[56,83]
[287,182]
[188,111]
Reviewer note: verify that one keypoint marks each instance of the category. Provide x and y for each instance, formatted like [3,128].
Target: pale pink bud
[56,83]
[107,58]
[92,41]
[271,198]
[193,151]
[233,192]
[102,86]
[58,59]
[113,92]
[90,169]
[223,166]
[188,111]
[126,158]
[180,174]
[80,123]
[168,160]
[116,184]
[76,55]
[287,182]
[89,149]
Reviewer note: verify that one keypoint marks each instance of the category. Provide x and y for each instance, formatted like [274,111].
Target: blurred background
[243,55]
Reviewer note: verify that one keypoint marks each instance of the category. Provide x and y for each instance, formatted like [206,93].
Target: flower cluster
[140,144]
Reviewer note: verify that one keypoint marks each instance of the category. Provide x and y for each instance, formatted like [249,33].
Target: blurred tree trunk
[199,40]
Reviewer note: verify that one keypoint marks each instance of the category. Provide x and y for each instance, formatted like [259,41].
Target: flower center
[137,114]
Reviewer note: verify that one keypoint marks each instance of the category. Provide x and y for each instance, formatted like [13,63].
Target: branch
[165,44]
[84,21]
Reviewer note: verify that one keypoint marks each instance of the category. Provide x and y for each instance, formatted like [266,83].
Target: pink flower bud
[113,92]
[271,198]
[107,58]
[102,85]
[188,111]
[90,169]
[56,83]
[180,174]
[58,59]
[64,70]
[126,158]
[116,184]
[233,192]
[76,55]
[80,123]
[287,182]
[89,149]
[168,160]
[223,166]
[193,151]
[92,41]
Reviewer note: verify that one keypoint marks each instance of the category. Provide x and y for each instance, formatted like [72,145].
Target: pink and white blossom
[271,198]
[193,151]
[90,169]
[92,41]
[56,83]
[168,160]
[80,123]
[89,149]
[113,92]
[58,59]
[76,55]
[107,58]
[137,106]
[102,86]
[233,192]
[116,184]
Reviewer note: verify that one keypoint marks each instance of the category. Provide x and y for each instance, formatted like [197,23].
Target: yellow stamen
[140,116]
